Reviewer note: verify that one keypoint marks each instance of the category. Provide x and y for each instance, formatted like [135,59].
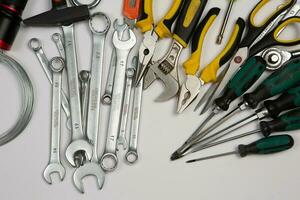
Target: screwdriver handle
[287,101]
[131,9]
[287,77]
[164,27]
[286,122]
[267,145]
[188,20]
[249,73]
[145,20]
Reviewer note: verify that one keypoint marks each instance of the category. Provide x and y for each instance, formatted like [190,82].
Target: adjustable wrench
[109,160]
[106,98]
[55,166]
[57,39]
[84,78]
[93,114]
[36,45]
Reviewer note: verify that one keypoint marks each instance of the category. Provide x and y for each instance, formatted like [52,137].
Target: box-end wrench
[36,45]
[93,115]
[84,78]
[57,39]
[130,72]
[55,166]
[109,160]
[106,98]
[132,155]
[78,145]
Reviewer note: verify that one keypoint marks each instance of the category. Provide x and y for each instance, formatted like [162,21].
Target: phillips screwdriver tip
[176,156]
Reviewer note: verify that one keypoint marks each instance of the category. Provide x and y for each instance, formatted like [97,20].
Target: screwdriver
[269,145]
[287,77]
[289,121]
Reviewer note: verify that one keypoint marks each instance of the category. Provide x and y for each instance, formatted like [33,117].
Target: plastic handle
[188,20]
[163,28]
[272,38]
[57,4]
[242,81]
[209,74]
[287,122]
[254,30]
[287,101]
[268,145]
[287,77]
[131,9]
[145,20]
[192,65]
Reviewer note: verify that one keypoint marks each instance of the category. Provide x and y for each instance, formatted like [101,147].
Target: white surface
[274,177]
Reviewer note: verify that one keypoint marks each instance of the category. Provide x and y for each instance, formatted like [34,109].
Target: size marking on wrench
[78,143]
[55,166]
[106,98]
[57,39]
[36,46]
[130,71]
[109,160]
[93,115]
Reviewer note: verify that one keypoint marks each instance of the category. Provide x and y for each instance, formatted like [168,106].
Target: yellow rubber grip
[209,74]
[146,21]
[283,25]
[163,29]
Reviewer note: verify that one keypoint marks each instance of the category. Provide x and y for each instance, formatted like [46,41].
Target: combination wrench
[57,39]
[93,115]
[109,159]
[36,46]
[106,98]
[84,78]
[55,166]
[130,72]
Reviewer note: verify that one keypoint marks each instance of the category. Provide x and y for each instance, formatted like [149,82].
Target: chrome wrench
[55,166]
[109,160]
[36,45]
[84,78]
[57,39]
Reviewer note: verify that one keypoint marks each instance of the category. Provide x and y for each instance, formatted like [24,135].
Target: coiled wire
[27,101]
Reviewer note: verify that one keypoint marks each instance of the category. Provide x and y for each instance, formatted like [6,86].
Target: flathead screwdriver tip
[176,156]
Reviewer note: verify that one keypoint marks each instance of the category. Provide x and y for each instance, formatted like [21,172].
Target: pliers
[153,33]
[196,79]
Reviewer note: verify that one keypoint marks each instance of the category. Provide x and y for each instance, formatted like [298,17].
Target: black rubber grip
[16,6]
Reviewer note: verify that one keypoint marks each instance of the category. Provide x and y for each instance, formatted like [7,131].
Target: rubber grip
[145,20]
[285,78]
[249,73]
[209,74]
[131,9]
[188,20]
[164,27]
[287,122]
[192,65]
[255,30]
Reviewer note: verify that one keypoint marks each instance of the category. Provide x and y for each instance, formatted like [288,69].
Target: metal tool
[225,21]
[57,65]
[130,72]
[167,69]
[109,159]
[91,5]
[106,98]
[36,46]
[84,78]
[153,33]
[268,145]
[57,39]
[131,11]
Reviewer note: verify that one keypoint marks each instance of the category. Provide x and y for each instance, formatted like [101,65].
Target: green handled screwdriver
[269,145]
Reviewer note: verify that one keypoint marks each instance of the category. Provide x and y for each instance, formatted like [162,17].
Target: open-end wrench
[130,72]
[109,160]
[55,166]
[106,98]
[132,155]
[93,115]
[84,78]
[78,143]
[57,39]
[36,45]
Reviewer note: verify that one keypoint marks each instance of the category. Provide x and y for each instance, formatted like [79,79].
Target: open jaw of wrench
[93,115]
[57,39]
[109,160]
[106,98]
[55,166]
[78,144]
[130,72]
[36,46]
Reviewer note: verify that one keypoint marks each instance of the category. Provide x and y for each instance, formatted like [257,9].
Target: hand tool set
[249,55]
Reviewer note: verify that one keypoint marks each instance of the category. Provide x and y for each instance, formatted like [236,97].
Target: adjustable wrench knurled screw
[55,166]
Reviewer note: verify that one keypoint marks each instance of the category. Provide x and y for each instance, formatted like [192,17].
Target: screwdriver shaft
[211,157]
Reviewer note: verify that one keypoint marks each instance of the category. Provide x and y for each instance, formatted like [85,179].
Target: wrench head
[78,145]
[95,22]
[131,157]
[109,162]
[124,44]
[54,168]
[88,169]
[120,27]
[149,78]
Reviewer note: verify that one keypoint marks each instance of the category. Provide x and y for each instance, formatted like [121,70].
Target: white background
[23,160]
